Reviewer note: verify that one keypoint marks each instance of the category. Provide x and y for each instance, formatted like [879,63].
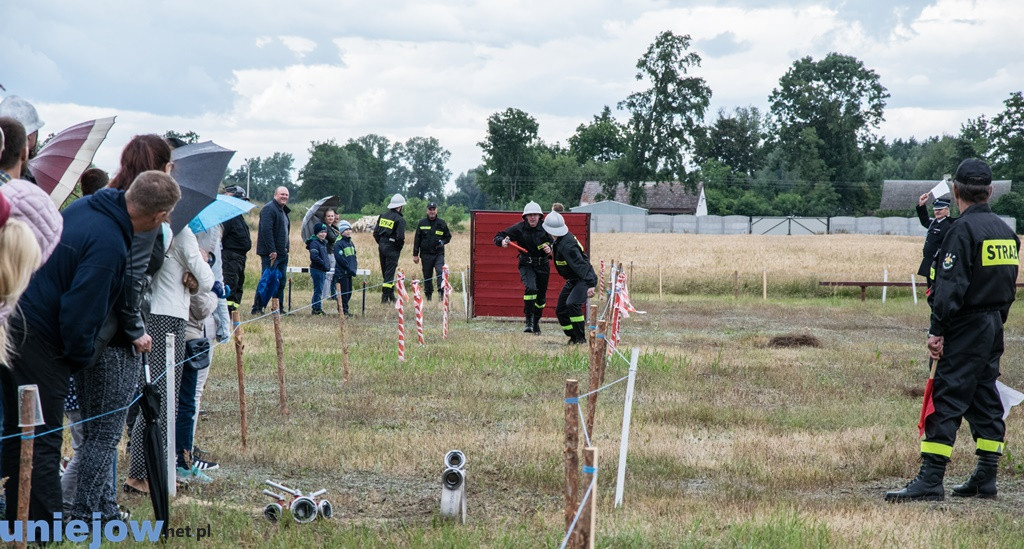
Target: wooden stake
[572,460]
[275,305]
[661,294]
[28,429]
[236,321]
[764,283]
[341,327]
[588,517]
[598,354]
[735,284]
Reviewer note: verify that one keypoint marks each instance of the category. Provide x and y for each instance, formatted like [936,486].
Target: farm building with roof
[669,198]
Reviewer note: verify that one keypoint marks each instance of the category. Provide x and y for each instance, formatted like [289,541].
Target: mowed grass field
[734,443]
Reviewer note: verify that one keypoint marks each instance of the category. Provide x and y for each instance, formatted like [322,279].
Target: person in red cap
[974,286]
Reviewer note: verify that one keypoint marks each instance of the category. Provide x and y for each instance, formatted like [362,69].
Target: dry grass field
[734,443]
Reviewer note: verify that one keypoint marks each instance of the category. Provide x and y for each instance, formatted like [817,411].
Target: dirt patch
[794,340]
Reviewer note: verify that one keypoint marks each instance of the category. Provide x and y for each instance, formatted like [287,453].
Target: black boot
[536,323]
[927,486]
[982,483]
[529,324]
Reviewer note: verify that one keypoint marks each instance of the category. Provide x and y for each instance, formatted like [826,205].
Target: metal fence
[741,224]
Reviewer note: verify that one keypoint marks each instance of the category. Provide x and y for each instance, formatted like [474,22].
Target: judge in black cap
[937,228]
[428,247]
[974,286]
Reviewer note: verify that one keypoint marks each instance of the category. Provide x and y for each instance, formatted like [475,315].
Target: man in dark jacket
[431,236]
[272,242]
[236,243]
[580,279]
[975,284]
[390,236]
[60,313]
[533,264]
[937,229]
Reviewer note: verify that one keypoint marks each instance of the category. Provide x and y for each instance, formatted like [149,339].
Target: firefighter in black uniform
[937,229]
[974,286]
[431,235]
[533,265]
[390,236]
[580,279]
[236,243]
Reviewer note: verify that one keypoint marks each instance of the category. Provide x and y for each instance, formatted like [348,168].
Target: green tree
[509,156]
[264,175]
[734,140]
[844,102]
[467,193]
[1011,204]
[188,137]
[425,160]
[331,170]
[664,117]
[1008,139]
[381,163]
[602,140]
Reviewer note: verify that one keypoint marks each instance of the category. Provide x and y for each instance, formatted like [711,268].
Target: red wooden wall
[494,285]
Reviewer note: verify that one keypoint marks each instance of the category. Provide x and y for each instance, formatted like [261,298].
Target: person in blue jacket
[319,264]
[60,314]
[345,264]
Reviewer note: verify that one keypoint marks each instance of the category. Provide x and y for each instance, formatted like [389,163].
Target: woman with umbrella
[110,383]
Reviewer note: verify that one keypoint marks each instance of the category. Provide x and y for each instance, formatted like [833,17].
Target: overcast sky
[263,76]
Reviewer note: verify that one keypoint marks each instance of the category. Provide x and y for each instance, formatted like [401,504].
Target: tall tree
[509,155]
[735,140]
[467,193]
[388,171]
[331,170]
[665,116]
[425,159]
[188,137]
[843,101]
[602,140]
[264,175]
[1008,139]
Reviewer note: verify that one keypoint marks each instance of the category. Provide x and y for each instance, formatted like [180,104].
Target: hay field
[734,443]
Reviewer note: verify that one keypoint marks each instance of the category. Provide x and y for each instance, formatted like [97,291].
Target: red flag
[927,405]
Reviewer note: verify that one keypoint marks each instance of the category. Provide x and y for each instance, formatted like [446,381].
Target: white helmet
[22,111]
[396,201]
[554,224]
[532,208]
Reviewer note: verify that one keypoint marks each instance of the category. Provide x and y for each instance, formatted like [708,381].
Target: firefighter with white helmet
[580,279]
[390,236]
[534,269]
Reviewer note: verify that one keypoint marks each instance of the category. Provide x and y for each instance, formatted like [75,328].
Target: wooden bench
[864,285]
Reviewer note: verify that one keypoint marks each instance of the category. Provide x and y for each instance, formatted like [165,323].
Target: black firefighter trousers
[965,386]
[569,311]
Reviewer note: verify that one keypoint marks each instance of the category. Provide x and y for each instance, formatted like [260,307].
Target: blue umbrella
[220,210]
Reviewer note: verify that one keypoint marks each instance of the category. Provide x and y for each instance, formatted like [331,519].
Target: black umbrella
[155,452]
[198,169]
[316,214]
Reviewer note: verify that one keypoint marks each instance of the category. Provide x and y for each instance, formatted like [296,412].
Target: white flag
[1010,397]
[702,204]
[940,190]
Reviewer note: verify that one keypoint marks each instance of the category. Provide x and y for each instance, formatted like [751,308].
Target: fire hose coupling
[304,508]
[453,486]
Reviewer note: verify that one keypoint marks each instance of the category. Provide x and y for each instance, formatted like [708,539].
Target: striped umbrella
[66,155]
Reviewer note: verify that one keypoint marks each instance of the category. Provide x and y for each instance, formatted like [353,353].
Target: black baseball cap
[432,206]
[973,172]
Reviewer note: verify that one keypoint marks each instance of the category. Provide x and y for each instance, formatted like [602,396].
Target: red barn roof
[494,285]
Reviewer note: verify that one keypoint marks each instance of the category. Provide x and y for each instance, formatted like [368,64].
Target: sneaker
[124,513]
[204,465]
[188,476]
[256,311]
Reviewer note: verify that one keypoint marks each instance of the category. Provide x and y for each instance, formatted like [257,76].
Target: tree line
[815,151]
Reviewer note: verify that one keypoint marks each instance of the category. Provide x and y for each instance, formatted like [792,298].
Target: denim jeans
[318,287]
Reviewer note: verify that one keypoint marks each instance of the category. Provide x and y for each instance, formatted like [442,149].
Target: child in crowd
[345,264]
[318,264]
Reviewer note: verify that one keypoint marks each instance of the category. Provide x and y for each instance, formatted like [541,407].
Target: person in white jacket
[169,308]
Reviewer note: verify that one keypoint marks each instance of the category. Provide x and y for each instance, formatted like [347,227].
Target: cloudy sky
[263,76]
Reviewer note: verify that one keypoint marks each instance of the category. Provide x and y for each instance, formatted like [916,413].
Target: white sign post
[627,412]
